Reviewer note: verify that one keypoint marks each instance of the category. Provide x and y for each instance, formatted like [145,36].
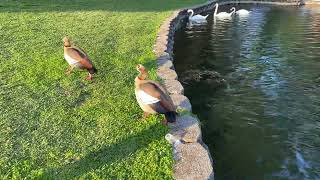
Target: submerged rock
[212,78]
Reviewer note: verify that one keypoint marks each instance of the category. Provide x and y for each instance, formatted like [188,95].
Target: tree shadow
[85,5]
[107,155]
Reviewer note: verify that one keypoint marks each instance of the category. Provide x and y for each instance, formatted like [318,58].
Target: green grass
[54,126]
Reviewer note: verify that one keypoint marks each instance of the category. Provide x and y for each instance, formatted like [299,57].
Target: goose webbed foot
[89,77]
[145,115]
[69,70]
[164,122]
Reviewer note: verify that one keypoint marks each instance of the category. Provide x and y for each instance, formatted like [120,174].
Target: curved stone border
[193,159]
[311,2]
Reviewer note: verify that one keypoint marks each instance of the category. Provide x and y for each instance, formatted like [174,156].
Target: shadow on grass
[107,155]
[85,5]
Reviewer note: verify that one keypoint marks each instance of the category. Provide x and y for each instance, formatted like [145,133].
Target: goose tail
[93,70]
[171,116]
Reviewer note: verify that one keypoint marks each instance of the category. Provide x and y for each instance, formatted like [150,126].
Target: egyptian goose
[152,97]
[76,57]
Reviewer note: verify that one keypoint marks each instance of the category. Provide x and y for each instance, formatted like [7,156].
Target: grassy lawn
[54,126]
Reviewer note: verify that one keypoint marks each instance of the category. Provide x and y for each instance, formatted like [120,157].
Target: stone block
[181,102]
[166,73]
[162,40]
[165,56]
[164,63]
[187,129]
[194,162]
[169,50]
[173,87]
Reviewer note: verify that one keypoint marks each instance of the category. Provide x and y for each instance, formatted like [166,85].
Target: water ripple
[268,117]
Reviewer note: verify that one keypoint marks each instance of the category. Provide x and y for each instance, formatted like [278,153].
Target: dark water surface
[265,123]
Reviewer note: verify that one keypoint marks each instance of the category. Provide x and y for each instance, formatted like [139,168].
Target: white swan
[223,14]
[196,18]
[242,12]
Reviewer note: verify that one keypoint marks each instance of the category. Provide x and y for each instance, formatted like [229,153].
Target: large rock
[194,162]
[166,56]
[181,102]
[187,129]
[173,87]
[162,40]
[159,48]
[167,74]
[164,63]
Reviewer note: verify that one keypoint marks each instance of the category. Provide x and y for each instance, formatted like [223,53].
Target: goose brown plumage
[76,57]
[152,97]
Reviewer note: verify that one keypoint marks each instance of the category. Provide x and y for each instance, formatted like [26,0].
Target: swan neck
[216,10]
[192,13]
[233,11]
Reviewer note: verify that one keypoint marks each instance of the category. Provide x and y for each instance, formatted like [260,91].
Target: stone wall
[192,156]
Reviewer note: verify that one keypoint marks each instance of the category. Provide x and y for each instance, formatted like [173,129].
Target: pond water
[264,123]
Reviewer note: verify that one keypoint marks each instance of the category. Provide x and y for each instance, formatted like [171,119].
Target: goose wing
[80,56]
[155,90]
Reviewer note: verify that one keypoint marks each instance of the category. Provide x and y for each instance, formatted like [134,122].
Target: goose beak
[65,39]
[138,67]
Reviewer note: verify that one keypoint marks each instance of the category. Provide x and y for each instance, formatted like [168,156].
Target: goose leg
[89,77]
[164,122]
[146,115]
[69,70]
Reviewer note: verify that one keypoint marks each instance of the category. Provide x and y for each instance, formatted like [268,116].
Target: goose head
[140,68]
[142,72]
[66,42]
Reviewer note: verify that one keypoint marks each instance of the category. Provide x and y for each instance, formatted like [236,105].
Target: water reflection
[266,123]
